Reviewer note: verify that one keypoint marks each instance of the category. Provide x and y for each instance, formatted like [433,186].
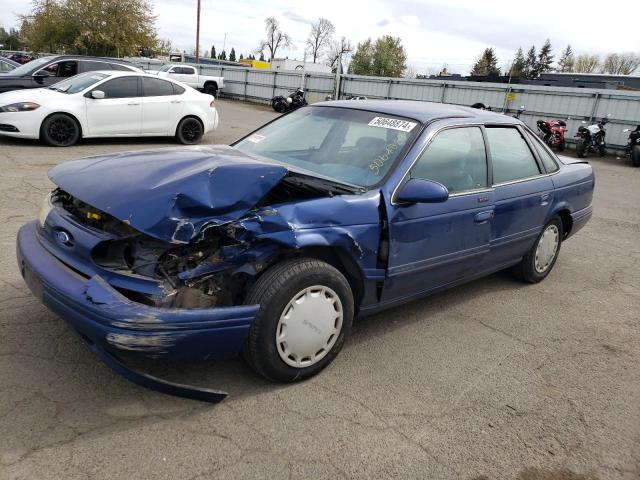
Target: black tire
[273,291]
[60,130]
[190,131]
[635,155]
[279,105]
[581,148]
[526,270]
[602,151]
[211,89]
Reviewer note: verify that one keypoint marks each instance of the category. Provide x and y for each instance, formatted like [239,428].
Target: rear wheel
[190,131]
[635,156]
[542,256]
[60,130]
[279,105]
[581,148]
[306,312]
[211,89]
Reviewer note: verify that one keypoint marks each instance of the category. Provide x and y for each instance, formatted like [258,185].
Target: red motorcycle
[552,133]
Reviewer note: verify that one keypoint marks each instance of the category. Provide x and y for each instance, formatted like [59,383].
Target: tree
[362,61]
[320,37]
[544,61]
[232,55]
[261,57]
[223,55]
[565,64]
[213,51]
[389,57]
[519,64]
[621,63]
[487,64]
[340,49]
[276,39]
[164,47]
[241,58]
[90,27]
[11,39]
[586,63]
[530,62]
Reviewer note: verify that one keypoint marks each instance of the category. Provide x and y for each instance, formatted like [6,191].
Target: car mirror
[417,190]
[41,74]
[97,94]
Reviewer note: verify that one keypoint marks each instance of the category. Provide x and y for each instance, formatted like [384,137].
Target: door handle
[176,101]
[483,217]
[133,104]
[544,198]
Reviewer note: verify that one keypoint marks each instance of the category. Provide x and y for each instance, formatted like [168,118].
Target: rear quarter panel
[573,191]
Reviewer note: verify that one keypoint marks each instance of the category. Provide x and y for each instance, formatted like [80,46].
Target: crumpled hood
[170,194]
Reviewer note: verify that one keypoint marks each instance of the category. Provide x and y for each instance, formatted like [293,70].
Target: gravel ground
[490,380]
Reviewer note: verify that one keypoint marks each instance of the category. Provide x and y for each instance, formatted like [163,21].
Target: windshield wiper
[321,184]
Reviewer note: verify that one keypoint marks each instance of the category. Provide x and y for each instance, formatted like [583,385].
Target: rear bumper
[105,318]
[580,218]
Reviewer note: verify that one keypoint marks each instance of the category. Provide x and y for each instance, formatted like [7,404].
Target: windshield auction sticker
[393,123]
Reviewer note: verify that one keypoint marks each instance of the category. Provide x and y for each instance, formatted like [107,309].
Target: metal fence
[572,104]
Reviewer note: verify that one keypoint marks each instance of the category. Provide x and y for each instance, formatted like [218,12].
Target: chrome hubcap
[309,326]
[547,248]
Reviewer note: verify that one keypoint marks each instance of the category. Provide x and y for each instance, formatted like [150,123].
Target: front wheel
[60,130]
[602,151]
[581,148]
[190,131]
[635,156]
[306,312]
[540,259]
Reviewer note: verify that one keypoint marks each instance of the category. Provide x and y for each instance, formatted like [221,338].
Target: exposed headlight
[45,208]
[20,107]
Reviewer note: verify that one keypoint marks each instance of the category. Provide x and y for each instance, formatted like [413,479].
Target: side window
[122,87]
[188,70]
[456,158]
[543,154]
[510,155]
[93,66]
[177,89]
[63,69]
[154,87]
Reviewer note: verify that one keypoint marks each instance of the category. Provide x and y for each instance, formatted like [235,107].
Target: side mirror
[418,190]
[41,74]
[97,94]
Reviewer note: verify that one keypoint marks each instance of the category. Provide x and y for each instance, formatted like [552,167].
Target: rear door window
[122,87]
[154,87]
[511,157]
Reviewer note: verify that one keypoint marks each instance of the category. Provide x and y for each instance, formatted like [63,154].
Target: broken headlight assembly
[19,107]
[45,208]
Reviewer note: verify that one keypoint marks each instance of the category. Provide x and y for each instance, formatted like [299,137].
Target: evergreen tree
[213,51]
[232,55]
[530,62]
[487,64]
[565,64]
[544,61]
[222,56]
[519,64]
[241,57]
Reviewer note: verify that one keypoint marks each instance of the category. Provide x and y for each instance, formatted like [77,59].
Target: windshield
[30,67]
[350,146]
[164,68]
[78,83]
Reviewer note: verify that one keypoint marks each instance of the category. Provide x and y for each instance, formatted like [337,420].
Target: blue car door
[523,194]
[433,245]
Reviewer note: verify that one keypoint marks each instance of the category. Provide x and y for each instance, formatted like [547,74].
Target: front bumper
[111,323]
[27,124]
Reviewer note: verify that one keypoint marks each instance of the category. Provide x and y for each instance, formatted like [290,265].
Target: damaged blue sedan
[270,247]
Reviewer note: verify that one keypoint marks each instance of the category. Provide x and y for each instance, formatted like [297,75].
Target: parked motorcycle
[552,133]
[291,102]
[591,138]
[633,145]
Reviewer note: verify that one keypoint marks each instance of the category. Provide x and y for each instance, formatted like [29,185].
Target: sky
[433,32]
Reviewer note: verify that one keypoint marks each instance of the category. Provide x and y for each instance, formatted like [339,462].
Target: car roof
[85,57]
[424,112]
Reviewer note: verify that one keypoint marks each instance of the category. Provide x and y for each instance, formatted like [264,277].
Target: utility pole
[198,35]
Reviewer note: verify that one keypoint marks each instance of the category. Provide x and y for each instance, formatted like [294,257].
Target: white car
[108,104]
[190,76]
